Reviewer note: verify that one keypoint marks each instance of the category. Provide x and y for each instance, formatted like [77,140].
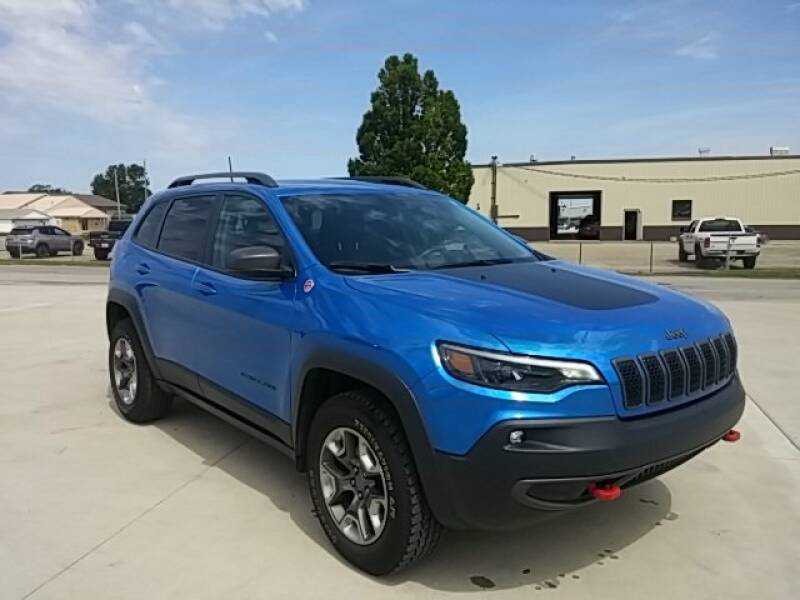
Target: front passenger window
[243,222]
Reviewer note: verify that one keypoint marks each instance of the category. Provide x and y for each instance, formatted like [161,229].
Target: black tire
[149,402]
[13,253]
[682,256]
[42,251]
[411,531]
[749,262]
[77,249]
[101,254]
[699,261]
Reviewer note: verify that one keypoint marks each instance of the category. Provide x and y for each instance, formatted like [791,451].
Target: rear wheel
[699,261]
[365,487]
[682,256]
[135,391]
[77,249]
[42,251]
[13,253]
[101,253]
[749,262]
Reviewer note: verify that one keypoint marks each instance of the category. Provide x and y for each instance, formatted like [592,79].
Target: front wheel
[42,251]
[101,253]
[77,249]
[364,484]
[682,256]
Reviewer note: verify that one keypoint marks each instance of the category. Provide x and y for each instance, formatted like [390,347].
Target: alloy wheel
[125,376]
[353,485]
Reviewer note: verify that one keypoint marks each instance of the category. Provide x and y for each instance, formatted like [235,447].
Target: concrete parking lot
[94,507]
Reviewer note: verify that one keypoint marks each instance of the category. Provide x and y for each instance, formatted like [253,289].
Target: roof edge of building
[600,161]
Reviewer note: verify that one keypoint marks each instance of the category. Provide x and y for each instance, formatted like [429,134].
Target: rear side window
[243,222]
[184,232]
[147,233]
[723,225]
[21,231]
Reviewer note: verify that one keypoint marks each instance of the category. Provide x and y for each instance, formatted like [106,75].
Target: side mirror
[258,261]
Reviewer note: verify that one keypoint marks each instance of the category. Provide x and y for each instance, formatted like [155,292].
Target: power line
[625,179]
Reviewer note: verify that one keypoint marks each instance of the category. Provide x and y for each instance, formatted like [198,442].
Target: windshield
[720,225]
[399,230]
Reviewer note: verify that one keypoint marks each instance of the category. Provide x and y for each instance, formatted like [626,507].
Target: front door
[631,225]
[247,321]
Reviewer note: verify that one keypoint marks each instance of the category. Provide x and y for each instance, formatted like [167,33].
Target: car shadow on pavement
[546,555]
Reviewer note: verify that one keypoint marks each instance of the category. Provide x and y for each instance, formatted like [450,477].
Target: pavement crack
[777,425]
[138,517]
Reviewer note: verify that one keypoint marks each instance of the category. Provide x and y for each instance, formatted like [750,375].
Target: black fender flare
[128,302]
[355,363]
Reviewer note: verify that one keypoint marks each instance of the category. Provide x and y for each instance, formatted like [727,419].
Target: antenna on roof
[230,168]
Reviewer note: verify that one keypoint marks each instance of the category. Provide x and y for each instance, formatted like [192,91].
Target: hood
[552,308]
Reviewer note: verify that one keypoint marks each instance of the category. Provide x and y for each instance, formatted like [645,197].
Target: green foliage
[43,188]
[133,185]
[414,129]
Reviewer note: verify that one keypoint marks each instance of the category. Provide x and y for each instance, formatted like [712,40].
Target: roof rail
[388,180]
[249,177]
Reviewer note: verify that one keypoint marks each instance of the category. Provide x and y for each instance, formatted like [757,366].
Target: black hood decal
[547,280]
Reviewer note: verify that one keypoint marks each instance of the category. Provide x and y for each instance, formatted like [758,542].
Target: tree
[133,185]
[44,188]
[414,129]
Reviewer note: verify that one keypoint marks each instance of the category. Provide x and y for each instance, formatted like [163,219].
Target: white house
[18,217]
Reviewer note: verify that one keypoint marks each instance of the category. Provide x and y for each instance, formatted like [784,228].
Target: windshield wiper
[483,262]
[345,265]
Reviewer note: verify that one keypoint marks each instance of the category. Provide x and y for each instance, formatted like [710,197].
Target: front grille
[685,372]
[709,363]
[677,373]
[656,379]
[632,382]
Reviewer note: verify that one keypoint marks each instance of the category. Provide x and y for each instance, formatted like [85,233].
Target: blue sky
[281,85]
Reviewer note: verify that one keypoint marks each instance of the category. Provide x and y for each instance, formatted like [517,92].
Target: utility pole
[493,203]
[144,168]
[116,188]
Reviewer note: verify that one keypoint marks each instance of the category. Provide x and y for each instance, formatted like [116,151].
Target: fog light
[516,437]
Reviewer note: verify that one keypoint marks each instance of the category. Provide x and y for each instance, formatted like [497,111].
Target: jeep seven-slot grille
[683,373]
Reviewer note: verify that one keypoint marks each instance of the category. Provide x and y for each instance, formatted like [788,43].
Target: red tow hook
[605,492]
[733,435]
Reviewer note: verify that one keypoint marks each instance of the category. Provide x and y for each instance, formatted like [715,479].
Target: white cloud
[703,48]
[214,14]
[271,37]
[68,65]
[793,7]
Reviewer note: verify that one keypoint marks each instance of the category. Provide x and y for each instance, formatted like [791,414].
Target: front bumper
[497,484]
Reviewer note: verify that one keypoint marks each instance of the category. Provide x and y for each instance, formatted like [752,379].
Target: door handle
[205,288]
[143,269]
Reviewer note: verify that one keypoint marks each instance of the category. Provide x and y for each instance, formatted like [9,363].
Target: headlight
[514,372]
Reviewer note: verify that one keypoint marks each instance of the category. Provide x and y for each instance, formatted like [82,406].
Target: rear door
[248,321]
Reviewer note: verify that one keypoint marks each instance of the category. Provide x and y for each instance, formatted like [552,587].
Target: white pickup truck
[714,238]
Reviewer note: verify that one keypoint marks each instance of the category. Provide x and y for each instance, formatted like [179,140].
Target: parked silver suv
[42,240]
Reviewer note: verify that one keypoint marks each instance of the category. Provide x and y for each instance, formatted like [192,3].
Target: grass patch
[27,262]
[757,273]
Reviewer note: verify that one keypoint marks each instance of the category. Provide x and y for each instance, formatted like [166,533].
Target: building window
[681,210]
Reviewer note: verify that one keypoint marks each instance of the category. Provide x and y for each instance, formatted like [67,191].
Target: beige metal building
[70,211]
[635,199]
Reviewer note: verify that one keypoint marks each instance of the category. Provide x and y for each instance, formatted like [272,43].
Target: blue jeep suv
[426,368]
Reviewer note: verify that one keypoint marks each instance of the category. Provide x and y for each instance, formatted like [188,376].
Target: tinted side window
[244,221]
[184,231]
[147,233]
